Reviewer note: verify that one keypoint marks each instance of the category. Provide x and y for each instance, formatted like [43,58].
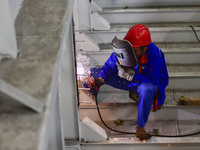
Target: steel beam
[145,3]
[8,44]
[141,146]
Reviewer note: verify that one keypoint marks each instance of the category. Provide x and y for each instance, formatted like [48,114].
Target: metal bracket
[90,131]
[84,42]
[95,6]
[98,22]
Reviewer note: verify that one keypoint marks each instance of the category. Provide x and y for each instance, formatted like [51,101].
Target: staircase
[173,25]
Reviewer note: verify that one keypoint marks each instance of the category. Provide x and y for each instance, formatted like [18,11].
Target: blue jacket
[151,69]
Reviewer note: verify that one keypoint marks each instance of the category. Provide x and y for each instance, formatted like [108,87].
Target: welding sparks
[80,70]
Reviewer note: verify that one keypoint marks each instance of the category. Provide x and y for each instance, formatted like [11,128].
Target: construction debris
[119,122]
[125,7]
[192,101]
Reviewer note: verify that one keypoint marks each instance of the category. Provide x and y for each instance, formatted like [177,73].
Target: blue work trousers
[146,92]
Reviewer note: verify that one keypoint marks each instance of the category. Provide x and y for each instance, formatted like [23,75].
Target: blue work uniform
[149,82]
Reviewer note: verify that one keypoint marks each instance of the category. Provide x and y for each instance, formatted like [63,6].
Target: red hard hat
[138,35]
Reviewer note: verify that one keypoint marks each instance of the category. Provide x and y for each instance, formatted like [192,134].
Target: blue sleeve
[109,67]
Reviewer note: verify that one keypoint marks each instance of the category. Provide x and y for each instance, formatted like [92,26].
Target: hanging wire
[194,32]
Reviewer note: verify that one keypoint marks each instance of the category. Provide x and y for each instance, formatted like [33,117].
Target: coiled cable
[123,132]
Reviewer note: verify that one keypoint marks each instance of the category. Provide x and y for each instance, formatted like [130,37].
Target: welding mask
[124,52]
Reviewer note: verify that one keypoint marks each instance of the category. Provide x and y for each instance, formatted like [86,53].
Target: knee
[147,89]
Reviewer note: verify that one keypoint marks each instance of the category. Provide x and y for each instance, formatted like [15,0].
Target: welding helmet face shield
[124,52]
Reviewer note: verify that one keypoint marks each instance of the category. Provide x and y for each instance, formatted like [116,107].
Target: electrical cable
[194,32]
[123,132]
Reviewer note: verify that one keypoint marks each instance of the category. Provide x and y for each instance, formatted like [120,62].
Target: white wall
[15,6]
[8,45]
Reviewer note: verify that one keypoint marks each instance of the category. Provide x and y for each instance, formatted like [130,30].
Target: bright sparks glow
[80,70]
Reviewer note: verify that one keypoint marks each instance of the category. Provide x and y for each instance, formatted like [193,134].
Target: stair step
[164,127]
[109,97]
[127,26]
[182,122]
[151,9]
[128,111]
[145,3]
[166,47]
[182,76]
[179,53]
[179,68]
[120,141]
[108,94]
[153,144]
[150,15]
[172,33]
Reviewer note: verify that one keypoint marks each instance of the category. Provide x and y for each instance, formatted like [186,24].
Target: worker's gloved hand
[99,82]
[125,72]
[95,83]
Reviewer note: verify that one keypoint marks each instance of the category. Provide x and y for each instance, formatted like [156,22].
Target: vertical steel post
[8,44]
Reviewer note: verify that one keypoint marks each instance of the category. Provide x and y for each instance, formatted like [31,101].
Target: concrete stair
[175,53]
[151,15]
[176,32]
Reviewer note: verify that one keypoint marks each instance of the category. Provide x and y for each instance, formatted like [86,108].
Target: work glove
[125,72]
[95,83]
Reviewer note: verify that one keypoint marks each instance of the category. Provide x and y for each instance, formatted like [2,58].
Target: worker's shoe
[134,97]
[142,134]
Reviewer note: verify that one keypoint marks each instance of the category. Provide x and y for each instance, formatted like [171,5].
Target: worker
[147,80]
